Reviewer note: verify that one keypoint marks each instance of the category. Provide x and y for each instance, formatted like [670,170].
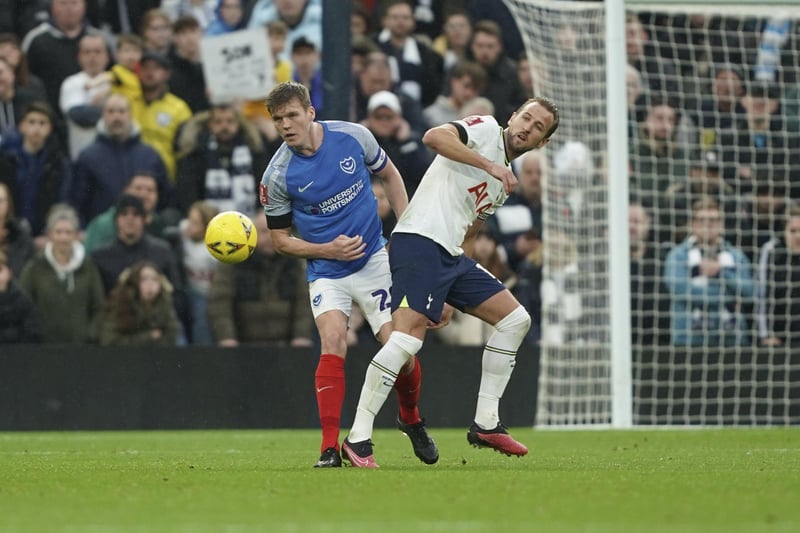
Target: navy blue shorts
[425,276]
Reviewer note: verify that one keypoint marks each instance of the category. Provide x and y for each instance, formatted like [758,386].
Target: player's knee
[334,342]
[517,321]
[408,343]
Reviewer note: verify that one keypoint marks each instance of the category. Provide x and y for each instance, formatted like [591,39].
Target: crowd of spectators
[113,158]
[715,176]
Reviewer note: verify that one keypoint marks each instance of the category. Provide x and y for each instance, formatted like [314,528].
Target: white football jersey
[452,195]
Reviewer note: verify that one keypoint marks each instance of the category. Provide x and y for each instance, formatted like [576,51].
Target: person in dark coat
[132,244]
[119,16]
[419,70]
[12,98]
[19,322]
[16,241]
[779,285]
[221,158]
[503,87]
[52,46]
[38,166]
[105,166]
[187,80]
[403,145]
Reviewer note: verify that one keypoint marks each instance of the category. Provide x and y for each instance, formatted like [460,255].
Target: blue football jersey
[329,193]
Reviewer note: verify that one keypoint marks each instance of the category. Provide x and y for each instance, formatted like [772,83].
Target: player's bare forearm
[395,188]
[287,244]
[342,248]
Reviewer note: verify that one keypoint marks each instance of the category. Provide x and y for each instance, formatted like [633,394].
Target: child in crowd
[198,268]
[230,17]
[124,75]
[139,310]
[39,168]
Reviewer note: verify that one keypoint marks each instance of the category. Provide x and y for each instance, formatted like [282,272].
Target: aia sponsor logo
[480,194]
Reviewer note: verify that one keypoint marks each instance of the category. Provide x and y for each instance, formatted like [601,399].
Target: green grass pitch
[723,480]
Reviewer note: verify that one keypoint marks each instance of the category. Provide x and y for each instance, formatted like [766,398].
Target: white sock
[379,380]
[499,358]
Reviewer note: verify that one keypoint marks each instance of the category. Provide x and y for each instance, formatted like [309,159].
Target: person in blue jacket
[229,18]
[709,283]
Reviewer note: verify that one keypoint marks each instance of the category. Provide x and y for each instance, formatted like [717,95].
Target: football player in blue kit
[429,257]
[319,205]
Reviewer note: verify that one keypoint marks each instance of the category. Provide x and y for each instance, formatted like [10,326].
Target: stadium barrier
[52,387]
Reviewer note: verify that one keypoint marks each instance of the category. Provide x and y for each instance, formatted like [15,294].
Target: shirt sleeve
[480,130]
[273,194]
[374,156]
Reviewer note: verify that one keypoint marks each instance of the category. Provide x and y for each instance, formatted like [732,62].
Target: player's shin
[380,378]
[499,357]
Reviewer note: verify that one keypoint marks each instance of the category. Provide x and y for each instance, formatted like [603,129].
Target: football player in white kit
[429,256]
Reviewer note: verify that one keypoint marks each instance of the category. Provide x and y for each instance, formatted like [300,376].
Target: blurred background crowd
[113,159]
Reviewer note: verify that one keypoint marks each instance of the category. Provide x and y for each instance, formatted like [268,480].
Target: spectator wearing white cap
[402,144]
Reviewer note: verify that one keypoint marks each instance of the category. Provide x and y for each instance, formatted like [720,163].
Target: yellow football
[231,237]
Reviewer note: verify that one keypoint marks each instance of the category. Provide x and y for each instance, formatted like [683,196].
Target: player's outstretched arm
[342,248]
[395,188]
[445,141]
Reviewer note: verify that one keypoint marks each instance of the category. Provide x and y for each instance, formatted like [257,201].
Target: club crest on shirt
[163,119]
[348,164]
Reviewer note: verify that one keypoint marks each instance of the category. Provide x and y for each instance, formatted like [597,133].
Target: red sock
[407,387]
[329,383]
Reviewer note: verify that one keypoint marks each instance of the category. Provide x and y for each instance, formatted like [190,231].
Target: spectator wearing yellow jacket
[158,112]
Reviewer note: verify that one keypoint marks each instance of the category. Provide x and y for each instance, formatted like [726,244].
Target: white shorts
[369,288]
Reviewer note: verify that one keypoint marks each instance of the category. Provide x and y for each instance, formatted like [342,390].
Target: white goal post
[612,351]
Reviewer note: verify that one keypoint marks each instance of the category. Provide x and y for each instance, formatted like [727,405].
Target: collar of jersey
[505,152]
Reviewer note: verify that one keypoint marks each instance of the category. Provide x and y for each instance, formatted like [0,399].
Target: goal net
[712,144]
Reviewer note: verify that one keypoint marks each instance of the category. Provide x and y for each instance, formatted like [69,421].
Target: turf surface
[744,480]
